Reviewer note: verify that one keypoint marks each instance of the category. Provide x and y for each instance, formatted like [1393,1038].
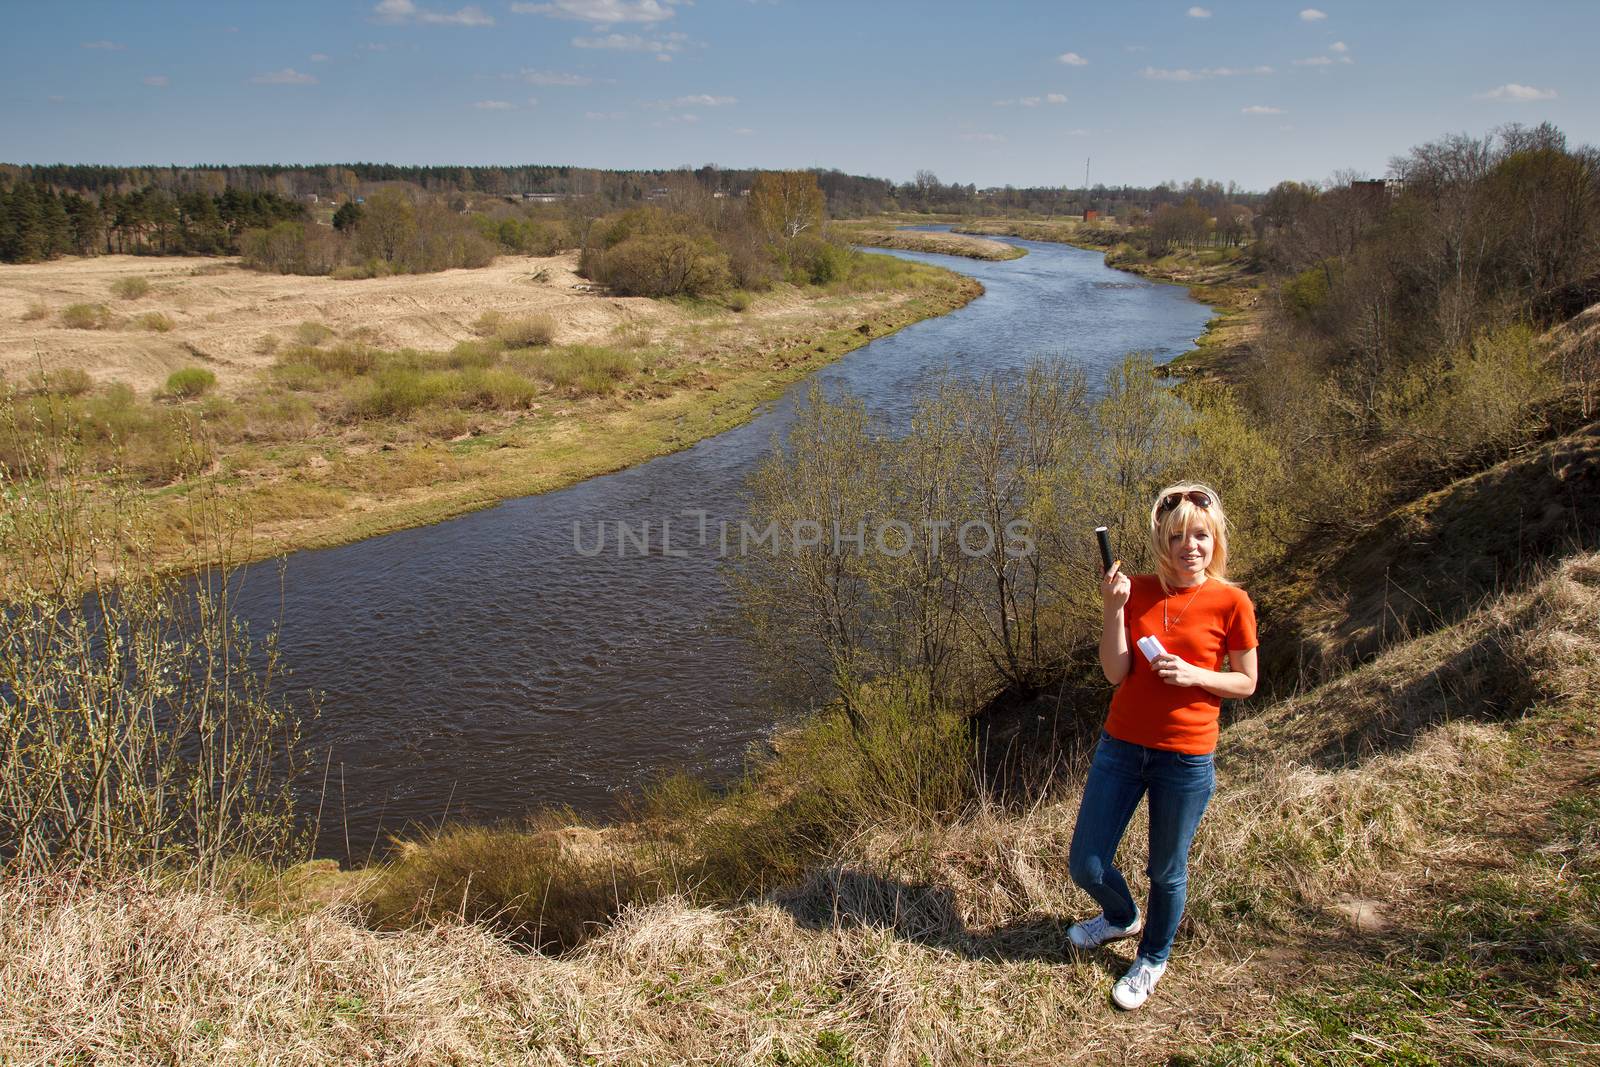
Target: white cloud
[985,138]
[551,77]
[597,116]
[1314,61]
[1518,93]
[744,131]
[105,46]
[407,11]
[1311,14]
[375,47]
[286,76]
[1184,74]
[1033,101]
[685,119]
[158,81]
[1339,46]
[467,16]
[1198,12]
[495,105]
[320,57]
[633,42]
[601,12]
[1072,59]
[1136,48]
[1076,133]
[1260,109]
[697,100]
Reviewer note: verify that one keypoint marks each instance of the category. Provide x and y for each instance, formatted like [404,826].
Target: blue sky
[991,93]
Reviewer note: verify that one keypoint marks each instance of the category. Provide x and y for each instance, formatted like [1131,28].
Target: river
[482,667]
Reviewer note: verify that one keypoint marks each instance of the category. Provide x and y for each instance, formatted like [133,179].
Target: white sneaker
[1092,933]
[1133,988]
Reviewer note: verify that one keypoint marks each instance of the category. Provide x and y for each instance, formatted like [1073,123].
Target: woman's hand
[1115,588]
[1174,671]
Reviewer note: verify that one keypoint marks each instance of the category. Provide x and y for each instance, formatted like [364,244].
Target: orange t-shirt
[1206,623]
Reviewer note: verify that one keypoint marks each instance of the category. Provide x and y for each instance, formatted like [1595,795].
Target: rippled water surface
[482,667]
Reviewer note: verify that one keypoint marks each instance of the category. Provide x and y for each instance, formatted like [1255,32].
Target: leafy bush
[189,382]
[649,252]
[668,264]
[156,322]
[817,261]
[738,300]
[291,248]
[528,332]
[86,316]
[130,288]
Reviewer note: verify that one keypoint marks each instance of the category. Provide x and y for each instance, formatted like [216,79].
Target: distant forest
[81,209]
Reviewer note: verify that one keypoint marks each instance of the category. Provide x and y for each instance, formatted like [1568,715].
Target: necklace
[1166,625]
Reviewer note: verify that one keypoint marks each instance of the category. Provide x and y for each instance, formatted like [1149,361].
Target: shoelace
[1141,979]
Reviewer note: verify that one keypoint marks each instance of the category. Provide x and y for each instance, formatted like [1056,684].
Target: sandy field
[223,313]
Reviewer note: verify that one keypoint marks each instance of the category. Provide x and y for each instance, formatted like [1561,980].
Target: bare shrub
[488,323]
[63,381]
[135,727]
[36,311]
[130,288]
[527,332]
[312,333]
[86,316]
[156,322]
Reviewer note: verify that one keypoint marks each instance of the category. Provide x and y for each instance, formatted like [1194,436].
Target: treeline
[847,195]
[39,222]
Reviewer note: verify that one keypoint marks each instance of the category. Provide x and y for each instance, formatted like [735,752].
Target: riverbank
[1219,277]
[335,415]
[875,235]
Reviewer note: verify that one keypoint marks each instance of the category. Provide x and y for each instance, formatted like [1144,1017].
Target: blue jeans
[1180,786]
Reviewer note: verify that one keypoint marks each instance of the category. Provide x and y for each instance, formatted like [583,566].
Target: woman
[1162,728]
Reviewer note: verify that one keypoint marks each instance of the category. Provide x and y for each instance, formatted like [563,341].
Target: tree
[388,226]
[347,217]
[786,203]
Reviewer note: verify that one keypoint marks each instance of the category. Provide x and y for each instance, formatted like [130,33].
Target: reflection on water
[482,667]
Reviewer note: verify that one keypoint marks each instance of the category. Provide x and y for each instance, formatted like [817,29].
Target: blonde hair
[1178,520]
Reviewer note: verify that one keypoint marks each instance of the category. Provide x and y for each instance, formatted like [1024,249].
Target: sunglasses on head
[1194,496]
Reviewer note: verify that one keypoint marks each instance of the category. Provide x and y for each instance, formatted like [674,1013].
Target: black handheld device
[1104,538]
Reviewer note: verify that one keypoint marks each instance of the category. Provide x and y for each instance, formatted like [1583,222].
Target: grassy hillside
[1399,865]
